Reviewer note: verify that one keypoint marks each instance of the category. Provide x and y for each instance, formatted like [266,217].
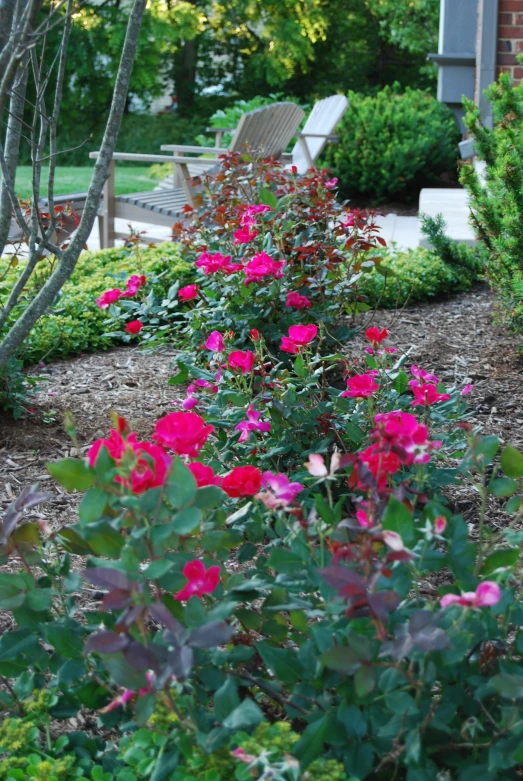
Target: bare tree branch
[54,117]
[69,258]
[12,148]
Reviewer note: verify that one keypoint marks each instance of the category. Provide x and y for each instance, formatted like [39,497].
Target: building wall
[510,38]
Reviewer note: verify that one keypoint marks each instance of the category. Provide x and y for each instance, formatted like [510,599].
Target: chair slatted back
[323,119]
[267,130]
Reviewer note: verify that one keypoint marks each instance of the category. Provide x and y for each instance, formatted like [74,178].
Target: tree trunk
[12,149]
[185,61]
[20,330]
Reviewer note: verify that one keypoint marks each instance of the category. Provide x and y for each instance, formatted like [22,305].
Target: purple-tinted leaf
[425,633]
[11,518]
[139,657]
[210,635]
[128,618]
[401,646]
[176,636]
[338,577]
[29,497]
[348,592]
[117,599]
[106,642]
[383,602]
[107,578]
[163,615]
[181,662]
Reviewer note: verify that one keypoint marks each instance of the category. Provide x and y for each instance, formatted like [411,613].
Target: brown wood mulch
[455,338]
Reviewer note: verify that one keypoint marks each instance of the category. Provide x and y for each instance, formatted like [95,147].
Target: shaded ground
[454,338]
[125,380]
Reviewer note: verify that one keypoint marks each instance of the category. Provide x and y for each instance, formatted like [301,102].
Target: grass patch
[76,179]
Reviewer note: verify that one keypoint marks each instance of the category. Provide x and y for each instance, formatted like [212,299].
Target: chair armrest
[194,150]
[141,158]
[219,129]
[157,158]
[328,136]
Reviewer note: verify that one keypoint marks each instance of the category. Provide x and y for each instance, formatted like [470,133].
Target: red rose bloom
[183,432]
[203,474]
[242,481]
[134,327]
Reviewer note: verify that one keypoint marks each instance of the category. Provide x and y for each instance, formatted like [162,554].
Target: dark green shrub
[392,144]
[497,203]
[75,323]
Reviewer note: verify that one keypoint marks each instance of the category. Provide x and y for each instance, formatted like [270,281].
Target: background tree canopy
[211,52]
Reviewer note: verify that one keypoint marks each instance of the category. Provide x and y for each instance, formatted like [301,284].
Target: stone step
[453,204]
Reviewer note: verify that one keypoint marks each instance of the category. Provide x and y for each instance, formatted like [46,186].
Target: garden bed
[454,338]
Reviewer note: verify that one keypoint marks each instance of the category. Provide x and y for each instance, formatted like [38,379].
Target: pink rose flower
[393,540]
[191,400]
[363,519]
[422,375]
[330,184]
[288,346]
[188,292]
[241,360]
[215,342]
[134,327]
[440,524]
[253,423]
[282,492]
[426,394]
[128,694]
[151,461]
[183,432]
[262,266]
[316,466]
[244,235]
[211,264]
[360,387]
[242,756]
[200,580]
[242,481]
[151,468]
[203,474]
[375,336]
[297,301]
[402,432]
[299,336]
[487,594]
[109,297]
[134,284]
[303,335]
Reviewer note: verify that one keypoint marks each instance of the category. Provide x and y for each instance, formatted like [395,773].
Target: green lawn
[76,180]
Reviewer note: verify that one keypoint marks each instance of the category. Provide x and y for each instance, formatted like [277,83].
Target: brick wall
[510,38]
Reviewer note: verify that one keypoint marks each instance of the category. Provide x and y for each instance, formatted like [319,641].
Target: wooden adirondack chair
[312,140]
[317,132]
[266,130]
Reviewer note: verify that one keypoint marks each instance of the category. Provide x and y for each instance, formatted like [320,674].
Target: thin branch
[65,151]
[54,116]
[69,257]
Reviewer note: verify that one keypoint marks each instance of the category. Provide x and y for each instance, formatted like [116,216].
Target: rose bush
[271,249]
[305,568]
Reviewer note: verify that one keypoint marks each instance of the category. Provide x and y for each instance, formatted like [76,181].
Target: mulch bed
[454,338]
